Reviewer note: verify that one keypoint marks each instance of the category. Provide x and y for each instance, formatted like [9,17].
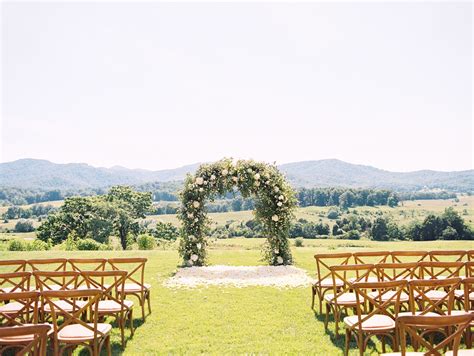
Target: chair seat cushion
[433,294]
[459,293]
[327,283]
[20,339]
[64,305]
[343,299]
[134,287]
[12,307]
[469,352]
[369,279]
[78,332]
[462,312]
[111,306]
[390,294]
[417,313]
[375,322]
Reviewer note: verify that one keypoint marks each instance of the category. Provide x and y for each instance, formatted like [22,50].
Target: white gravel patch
[240,276]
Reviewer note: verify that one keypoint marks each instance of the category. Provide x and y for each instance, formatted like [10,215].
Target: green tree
[24,226]
[379,230]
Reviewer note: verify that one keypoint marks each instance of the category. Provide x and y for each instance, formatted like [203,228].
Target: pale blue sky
[159,85]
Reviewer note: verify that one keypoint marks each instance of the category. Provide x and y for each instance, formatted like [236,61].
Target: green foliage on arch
[275,202]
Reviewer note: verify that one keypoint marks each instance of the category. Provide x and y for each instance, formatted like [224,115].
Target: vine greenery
[275,202]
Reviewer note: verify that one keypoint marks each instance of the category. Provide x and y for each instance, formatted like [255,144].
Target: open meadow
[230,320]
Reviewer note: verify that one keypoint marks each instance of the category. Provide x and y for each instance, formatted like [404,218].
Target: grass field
[228,320]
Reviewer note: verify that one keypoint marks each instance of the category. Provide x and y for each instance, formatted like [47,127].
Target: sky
[159,85]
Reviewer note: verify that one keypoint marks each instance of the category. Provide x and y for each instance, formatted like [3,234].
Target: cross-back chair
[408,256]
[57,280]
[470,255]
[74,331]
[448,255]
[15,282]
[370,257]
[135,280]
[48,264]
[34,339]
[324,282]
[440,270]
[19,308]
[414,326]
[377,307]
[113,300]
[388,272]
[87,264]
[466,300]
[343,298]
[12,266]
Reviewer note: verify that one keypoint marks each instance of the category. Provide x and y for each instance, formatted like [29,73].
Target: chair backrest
[373,257]
[37,345]
[75,316]
[447,255]
[421,301]
[397,271]
[87,264]
[15,282]
[48,264]
[27,313]
[135,268]
[470,255]
[12,266]
[467,298]
[111,283]
[349,274]
[324,262]
[415,325]
[377,298]
[440,270]
[408,256]
[56,280]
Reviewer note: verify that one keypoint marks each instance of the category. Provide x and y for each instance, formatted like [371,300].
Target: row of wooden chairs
[135,281]
[75,321]
[415,262]
[378,312]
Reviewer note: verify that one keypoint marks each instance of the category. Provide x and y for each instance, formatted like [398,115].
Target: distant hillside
[42,174]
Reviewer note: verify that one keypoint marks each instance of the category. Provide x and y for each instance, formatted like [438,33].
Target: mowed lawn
[227,320]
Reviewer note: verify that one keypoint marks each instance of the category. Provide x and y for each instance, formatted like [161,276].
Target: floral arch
[275,202]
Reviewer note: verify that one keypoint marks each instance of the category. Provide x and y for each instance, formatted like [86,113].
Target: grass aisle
[228,320]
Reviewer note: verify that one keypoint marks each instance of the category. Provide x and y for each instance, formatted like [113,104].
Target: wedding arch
[275,202]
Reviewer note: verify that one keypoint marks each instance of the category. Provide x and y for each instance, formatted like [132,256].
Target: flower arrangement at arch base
[275,202]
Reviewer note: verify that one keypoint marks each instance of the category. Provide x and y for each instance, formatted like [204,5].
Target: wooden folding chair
[408,256]
[15,282]
[113,300]
[87,264]
[467,302]
[414,326]
[388,272]
[370,257]
[377,307]
[343,298]
[447,255]
[74,331]
[57,280]
[136,278]
[26,339]
[470,255]
[432,296]
[440,270]
[324,282]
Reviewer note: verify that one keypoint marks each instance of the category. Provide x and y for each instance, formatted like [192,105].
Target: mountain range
[43,174]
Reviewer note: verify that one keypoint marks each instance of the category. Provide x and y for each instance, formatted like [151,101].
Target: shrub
[24,226]
[88,245]
[165,231]
[38,245]
[145,242]
[16,245]
[352,235]
[333,214]
[299,242]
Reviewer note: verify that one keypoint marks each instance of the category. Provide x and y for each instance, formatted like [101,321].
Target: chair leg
[326,319]
[122,331]
[148,298]
[348,338]
[130,316]
[142,302]
[313,293]
[107,345]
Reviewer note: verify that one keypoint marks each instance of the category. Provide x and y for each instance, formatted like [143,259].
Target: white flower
[257,184]
[199,180]
[279,203]
[277,189]
[205,182]
[196,219]
[199,245]
[249,170]
[191,237]
[257,176]
[190,215]
[213,177]
[196,204]
[280,197]
[279,260]
[194,257]
[201,189]
[225,172]
[235,179]
[190,262]
[277,251]
[275,218]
